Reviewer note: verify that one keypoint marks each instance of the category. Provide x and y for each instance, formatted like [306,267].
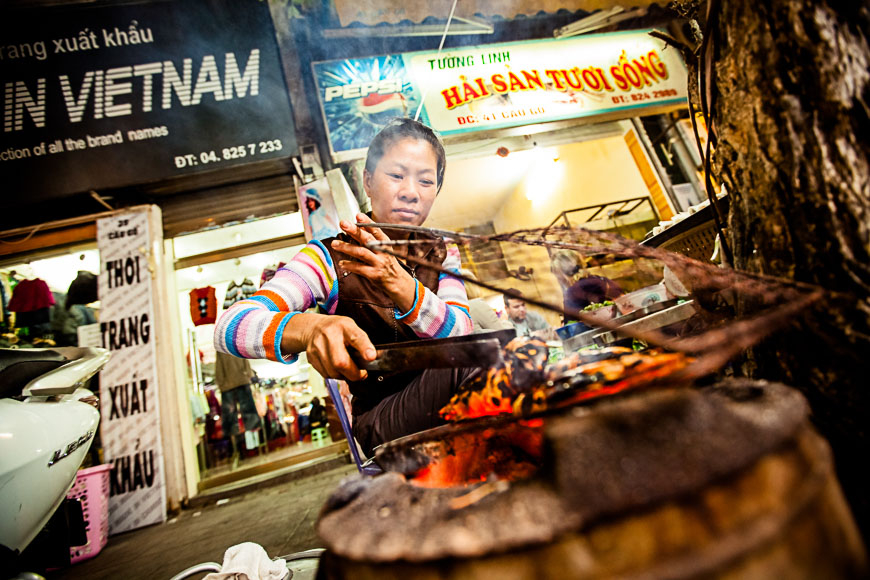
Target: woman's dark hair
[309,201]
[403,128]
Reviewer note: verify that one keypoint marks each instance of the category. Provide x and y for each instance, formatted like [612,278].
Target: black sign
[108,96]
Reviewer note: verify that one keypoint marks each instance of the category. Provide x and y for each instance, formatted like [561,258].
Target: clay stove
[727,481]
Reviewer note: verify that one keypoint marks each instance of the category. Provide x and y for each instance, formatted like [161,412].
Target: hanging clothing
[233,376]
[260,402]
[213,422]
[293,424]
[5,294]
[203,306]
[236,292]
[269,272]
[82,290]
[231,371]
[31,295]
[198,406]
[66,320]
[274,427]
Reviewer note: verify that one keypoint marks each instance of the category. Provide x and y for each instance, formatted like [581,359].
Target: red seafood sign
[513,84]
[493,86]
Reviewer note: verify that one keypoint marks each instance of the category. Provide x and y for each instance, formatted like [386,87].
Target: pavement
[279,515]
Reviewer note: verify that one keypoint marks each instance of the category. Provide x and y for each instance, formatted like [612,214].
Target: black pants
[411,410]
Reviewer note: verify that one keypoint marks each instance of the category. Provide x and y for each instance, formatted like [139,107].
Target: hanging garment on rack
[32,301]
[203,306]
[31,295]
[213,423]
[82,290]
[260,402]
[198,406]
[4,295]
[236,292]
[269,272]
[60,321]
[248,288]
[12,279]
[231,371]
[232,295]
[274,427]
[293,424]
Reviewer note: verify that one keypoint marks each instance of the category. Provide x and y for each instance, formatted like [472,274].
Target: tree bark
[791,110]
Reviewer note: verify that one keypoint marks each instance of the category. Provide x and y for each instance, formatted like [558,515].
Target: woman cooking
[366,298]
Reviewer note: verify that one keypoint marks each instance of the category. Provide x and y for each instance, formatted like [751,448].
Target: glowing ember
[507,453]
[523,385]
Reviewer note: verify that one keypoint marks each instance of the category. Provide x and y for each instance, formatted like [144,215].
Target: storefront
[164,102]
[537,133]
[100,281]
[213,270]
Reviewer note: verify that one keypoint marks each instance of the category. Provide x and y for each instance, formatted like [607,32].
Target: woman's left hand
[383,269]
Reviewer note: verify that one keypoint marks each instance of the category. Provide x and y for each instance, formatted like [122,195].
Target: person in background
[366,297]
[482,314]
[317,415]
[525,322]
[580,291]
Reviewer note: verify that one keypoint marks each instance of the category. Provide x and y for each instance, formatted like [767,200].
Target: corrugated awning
[195,211]
[233,194]
[374,12]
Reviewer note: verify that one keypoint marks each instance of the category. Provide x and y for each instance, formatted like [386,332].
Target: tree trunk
[791,103]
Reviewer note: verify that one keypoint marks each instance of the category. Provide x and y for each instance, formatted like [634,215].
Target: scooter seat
[19,366]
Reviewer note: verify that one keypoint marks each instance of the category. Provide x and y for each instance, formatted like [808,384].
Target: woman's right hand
[325,340]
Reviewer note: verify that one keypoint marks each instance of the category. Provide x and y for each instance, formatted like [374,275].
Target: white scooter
[48,420]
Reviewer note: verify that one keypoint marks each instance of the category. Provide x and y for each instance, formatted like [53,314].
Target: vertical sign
[130,417]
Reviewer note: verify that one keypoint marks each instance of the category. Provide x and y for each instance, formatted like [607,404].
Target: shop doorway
[250,430]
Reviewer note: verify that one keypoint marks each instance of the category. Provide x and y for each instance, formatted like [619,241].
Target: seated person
[317,415]
[580,291]
[525,322]
[367,298]
[483,316]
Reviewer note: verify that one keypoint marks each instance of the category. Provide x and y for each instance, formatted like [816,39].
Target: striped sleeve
[252,328]
[445,313]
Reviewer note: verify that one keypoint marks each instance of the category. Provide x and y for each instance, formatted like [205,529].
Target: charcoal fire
[505,453]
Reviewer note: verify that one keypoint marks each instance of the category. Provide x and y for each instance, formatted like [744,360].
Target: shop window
[49,307]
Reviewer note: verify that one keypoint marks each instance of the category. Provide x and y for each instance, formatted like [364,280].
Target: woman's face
[403,186]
